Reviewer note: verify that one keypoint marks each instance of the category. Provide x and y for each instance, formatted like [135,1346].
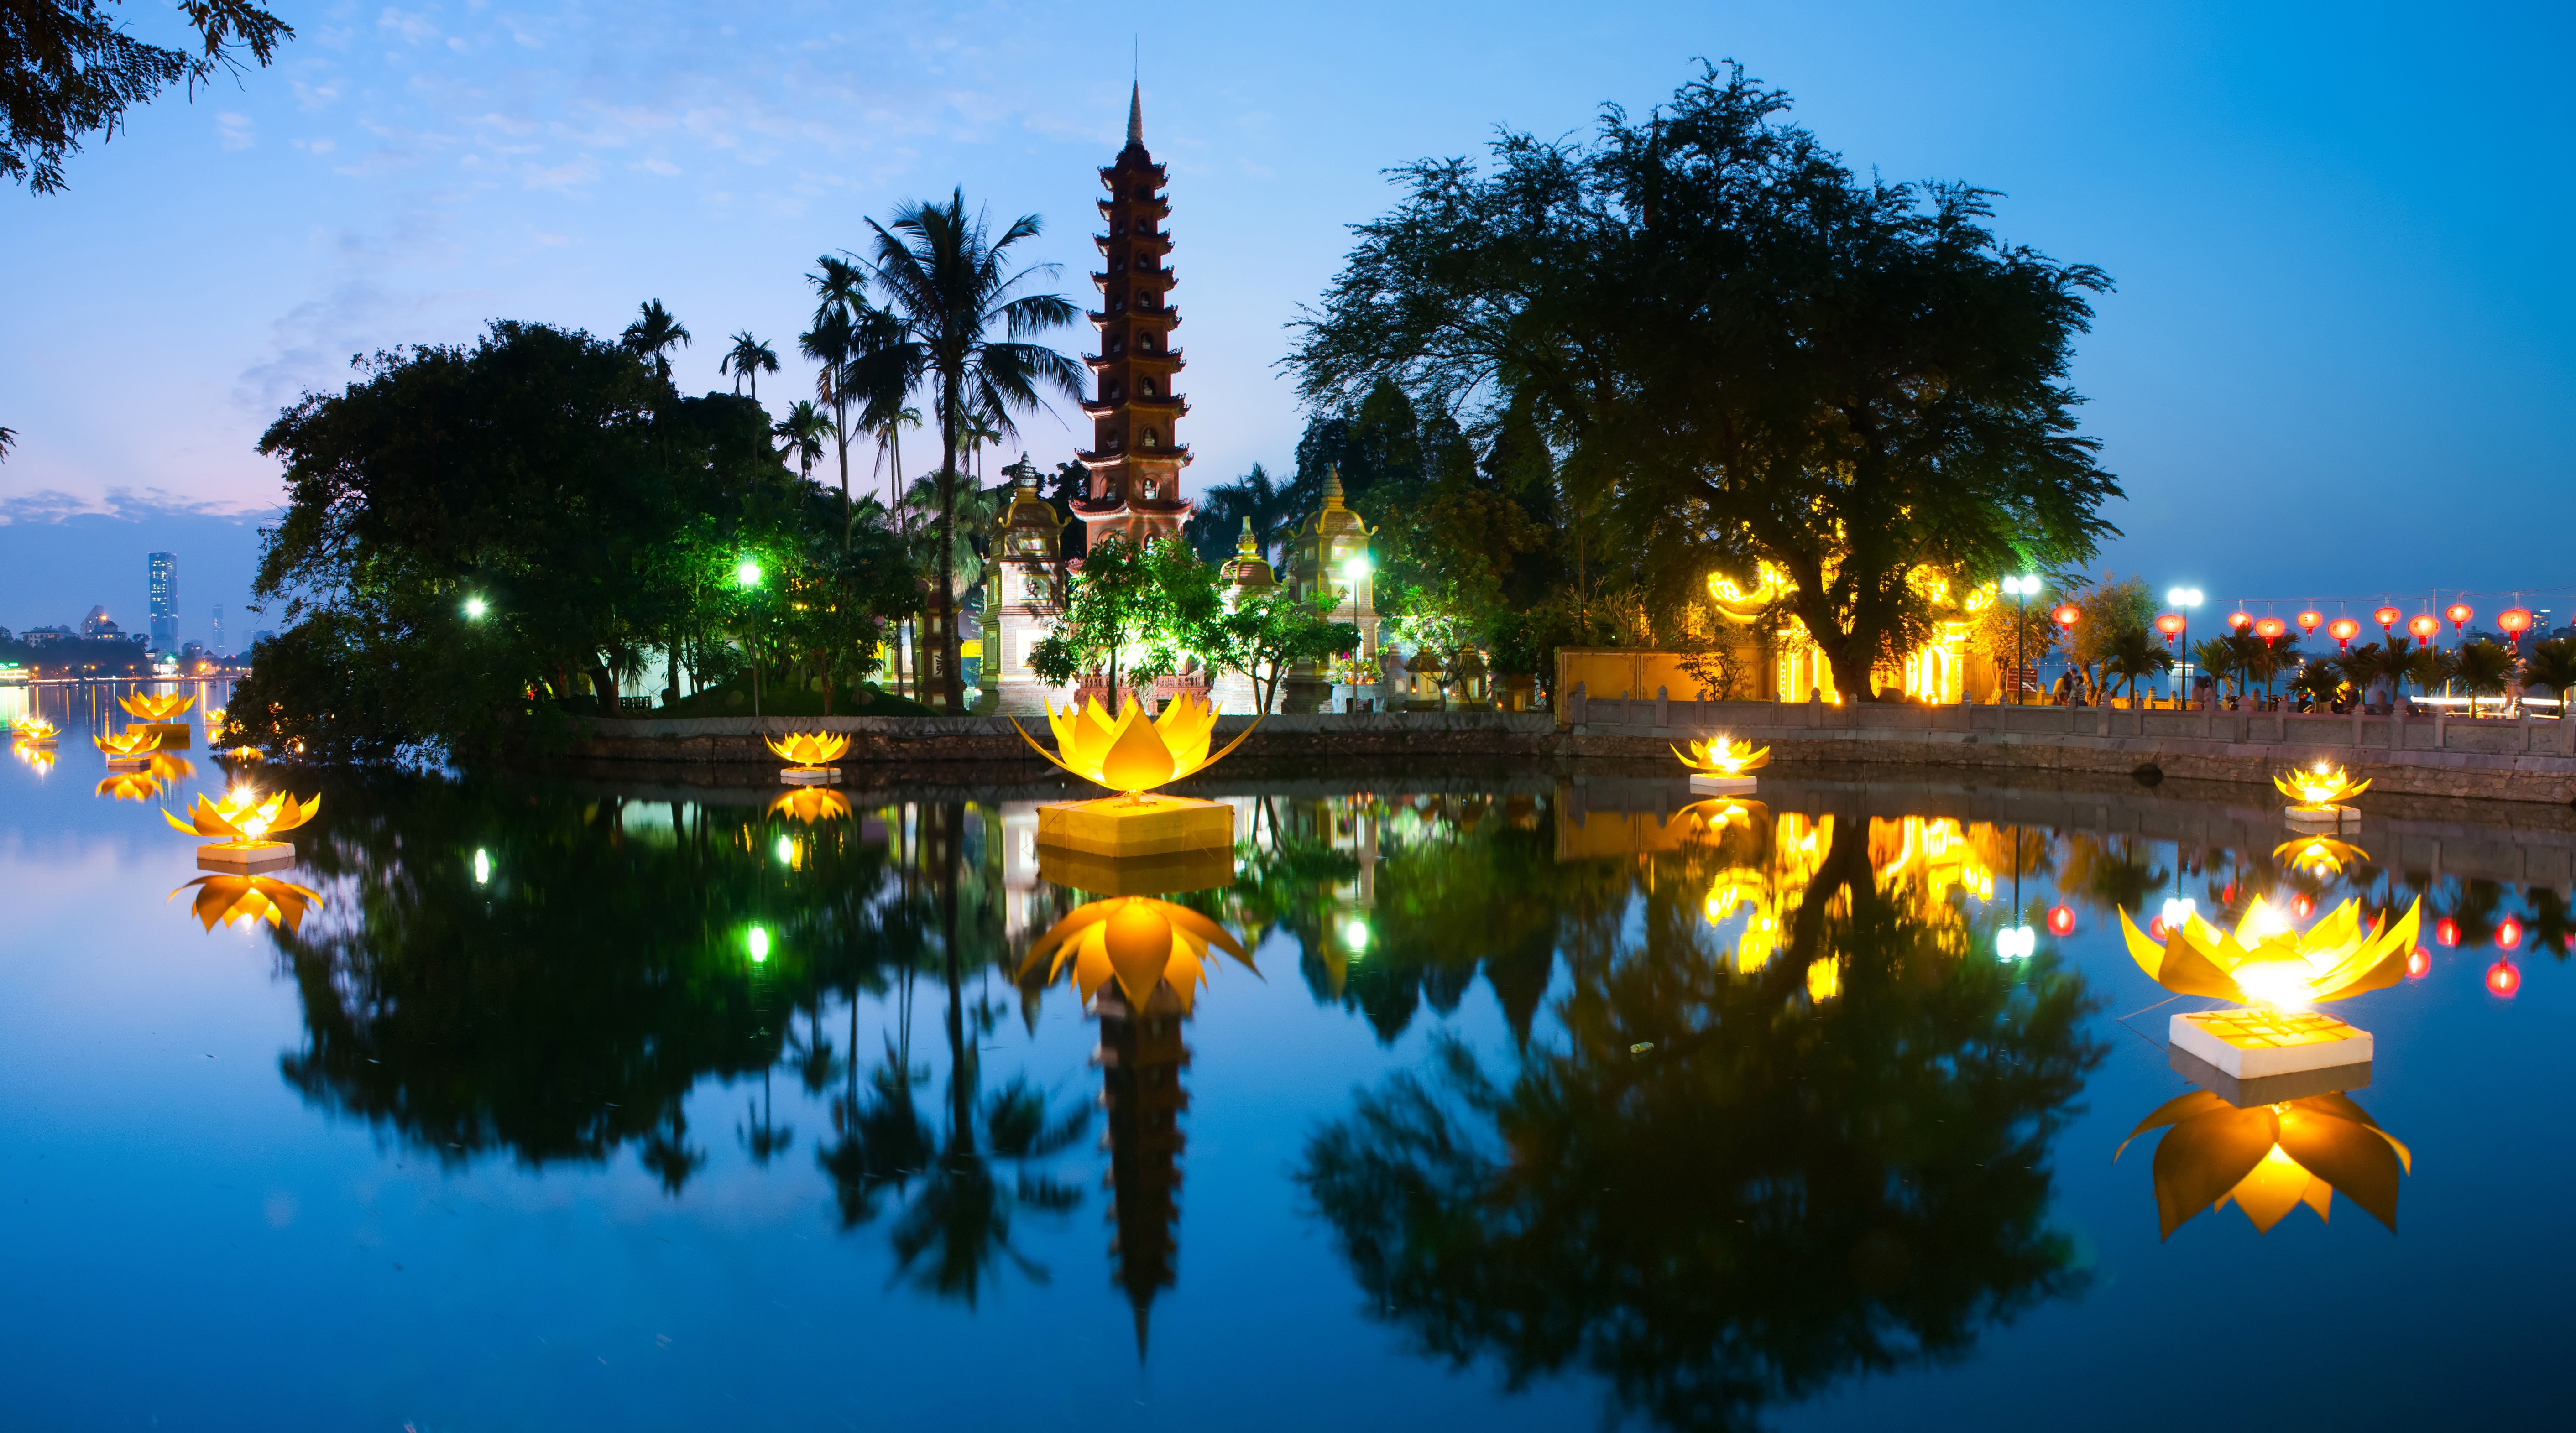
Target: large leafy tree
[67,71]
[949,282]
[472,524]
[1737,350]
[1136,611]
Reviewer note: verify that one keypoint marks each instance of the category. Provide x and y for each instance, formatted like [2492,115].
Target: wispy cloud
[236,131]
[122,504]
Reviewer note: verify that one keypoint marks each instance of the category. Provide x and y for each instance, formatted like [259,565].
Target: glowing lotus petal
[2265,962]
[244,818]
[1716,756]
[2319,788]
[2270,1159]
[1128,753]
[810,804]
[34,729]
[810,748]
[133,741]
[142,707]
[227,899]
[1139,942]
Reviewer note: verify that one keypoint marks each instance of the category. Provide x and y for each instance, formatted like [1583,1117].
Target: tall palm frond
[748,358]
[2482,669]
[652,336]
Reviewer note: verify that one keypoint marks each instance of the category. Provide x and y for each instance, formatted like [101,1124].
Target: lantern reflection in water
[1763,885]
[227,899]
[2318,855]
[2270,1159]
[148,782]
[1139,942]
[810,804]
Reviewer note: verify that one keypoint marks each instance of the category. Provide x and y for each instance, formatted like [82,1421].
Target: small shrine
[1329,558]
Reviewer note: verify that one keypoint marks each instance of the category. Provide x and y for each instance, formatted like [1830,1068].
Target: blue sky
[2338,363]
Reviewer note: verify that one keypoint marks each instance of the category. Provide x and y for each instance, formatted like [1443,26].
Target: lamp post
[2184,599]
[2020,590]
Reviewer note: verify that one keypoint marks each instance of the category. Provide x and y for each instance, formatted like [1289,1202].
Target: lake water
[1534,1104]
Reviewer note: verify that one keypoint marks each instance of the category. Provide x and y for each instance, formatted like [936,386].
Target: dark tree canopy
[1734,351]
[67,71]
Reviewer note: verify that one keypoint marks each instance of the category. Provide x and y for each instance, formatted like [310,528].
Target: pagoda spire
[1136,112]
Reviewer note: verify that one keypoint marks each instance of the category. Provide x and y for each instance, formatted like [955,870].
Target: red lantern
[2509,935]
[2343,630]
[2386,617]
[2308,622]
[2061,920]
[2171,624]
[2157,928]
[2514,621]
[2424,628]
[2459,613]
[2419,963]
[2270,629]
[2068,615]
[2240,620]
[2446,932]
[2503,979]
[2303,905]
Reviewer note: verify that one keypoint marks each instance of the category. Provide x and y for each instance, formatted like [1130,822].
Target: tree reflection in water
[1716,1190]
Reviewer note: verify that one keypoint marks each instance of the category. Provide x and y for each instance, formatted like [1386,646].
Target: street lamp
[474,609]
[748,574]
[2019,589]
[2184,599]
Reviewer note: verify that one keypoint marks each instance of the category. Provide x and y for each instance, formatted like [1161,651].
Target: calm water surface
[1535,1105]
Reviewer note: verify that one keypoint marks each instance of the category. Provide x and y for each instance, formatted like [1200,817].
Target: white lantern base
[1721,785]
[2267,1089]
[811,776]
[2252,1044]
[245,860]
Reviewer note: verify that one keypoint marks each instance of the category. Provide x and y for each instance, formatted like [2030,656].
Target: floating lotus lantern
[809,755]
[1129,754]
[2271,1158]
[135,743]
[227,899]
[810,806]
[34,731]
[1720,767]
[2314,793]
[1141,943]
[2267,964]
[245,821]
[161,714]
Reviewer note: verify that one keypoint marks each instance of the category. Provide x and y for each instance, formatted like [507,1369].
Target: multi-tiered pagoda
[1136,455]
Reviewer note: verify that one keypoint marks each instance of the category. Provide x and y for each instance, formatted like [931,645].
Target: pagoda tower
[1136,454]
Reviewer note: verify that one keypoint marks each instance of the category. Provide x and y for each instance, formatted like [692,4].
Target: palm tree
[947,279]
[2134,652]
[2482,669]
[801,434]
[2428,667]
[2552,665]
[1223,508]
[653,336]
[2362,667]
[748,358]
[8,440]
[833,342]
[2217,656]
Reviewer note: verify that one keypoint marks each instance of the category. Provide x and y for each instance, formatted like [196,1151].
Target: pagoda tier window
[1145,386]
[1150,440]
[1153,489]
[1117,305]
[1118,265]
[1145,300]
[1109,390]
[1117,228]
[1145,341]
[1145,192]
[1144,261]
[1117,345]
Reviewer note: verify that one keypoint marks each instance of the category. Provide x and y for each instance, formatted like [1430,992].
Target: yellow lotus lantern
[809,755]
[1130,754]
[2314,793]
[1720,767]
[227,899]
[245,821]
[2270,965]
[34,730]
[2271,1158]
[810,805]
[146,784]
[39,756]
[143,706]
[135,743]
[1141,943]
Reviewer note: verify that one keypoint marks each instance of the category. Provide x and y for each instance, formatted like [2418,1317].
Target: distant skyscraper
[216,642]
[165,601]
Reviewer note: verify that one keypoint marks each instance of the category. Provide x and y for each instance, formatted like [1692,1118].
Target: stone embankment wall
[2481,760]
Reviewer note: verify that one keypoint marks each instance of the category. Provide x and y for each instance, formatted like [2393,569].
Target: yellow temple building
[1790,667]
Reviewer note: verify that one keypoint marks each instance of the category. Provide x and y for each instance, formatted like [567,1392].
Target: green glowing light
[482,867]
[748,574]
[474,609]
[786,851]
[759,942]
[1356,936]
